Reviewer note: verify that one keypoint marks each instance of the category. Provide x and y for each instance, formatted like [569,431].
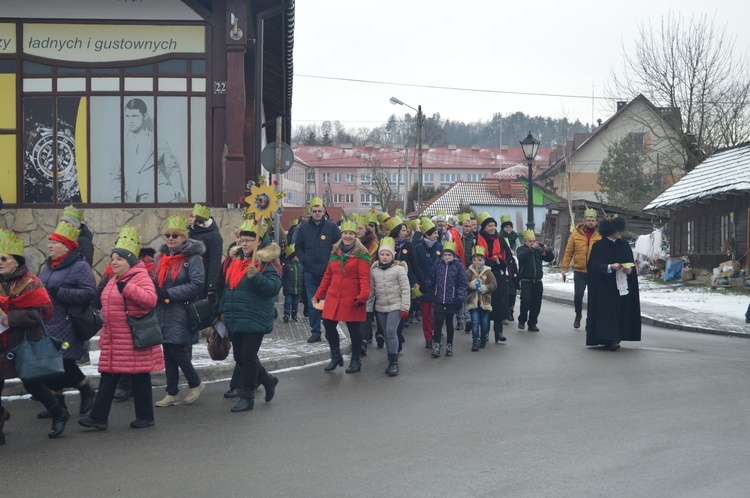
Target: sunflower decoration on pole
[262,203]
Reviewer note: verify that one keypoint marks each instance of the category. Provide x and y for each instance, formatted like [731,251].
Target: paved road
[538,416]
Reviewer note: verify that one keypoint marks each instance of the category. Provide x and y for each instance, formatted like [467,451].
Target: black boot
[392,369]
[336,360]
[46,413]
[482,341]
[354,366]
[269,384]
[363,349]
[60,417]
[499,337]
[245,404]
[87,398]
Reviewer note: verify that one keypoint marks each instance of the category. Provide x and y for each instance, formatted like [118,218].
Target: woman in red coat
[345,288]
[130,289]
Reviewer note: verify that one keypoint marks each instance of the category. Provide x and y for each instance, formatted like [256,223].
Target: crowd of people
[377,273]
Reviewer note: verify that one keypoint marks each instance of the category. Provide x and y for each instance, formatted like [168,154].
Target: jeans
[291,303]
[142,396]
[480,319]
[311,285]
[175,359]
[246,347]
[531,302]
[580,280]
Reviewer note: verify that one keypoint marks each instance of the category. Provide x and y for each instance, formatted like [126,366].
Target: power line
[437,87]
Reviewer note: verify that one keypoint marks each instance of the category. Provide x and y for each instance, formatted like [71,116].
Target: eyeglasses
[247,241]
[172,235]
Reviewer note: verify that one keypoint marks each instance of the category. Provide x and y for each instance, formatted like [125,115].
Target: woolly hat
[387,244]
[505,221]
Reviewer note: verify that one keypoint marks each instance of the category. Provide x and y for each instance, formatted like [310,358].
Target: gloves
[404,314]
[121,286]
[358,303]
[251,271]
[162,294]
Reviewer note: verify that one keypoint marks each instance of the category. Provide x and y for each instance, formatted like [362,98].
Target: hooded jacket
[579,249]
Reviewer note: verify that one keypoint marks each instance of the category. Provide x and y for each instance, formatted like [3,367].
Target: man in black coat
[314,240]
[530,272]
[205,229]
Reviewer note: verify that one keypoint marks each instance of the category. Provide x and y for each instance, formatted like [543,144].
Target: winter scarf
[166,264]
[384,266]
[24,292]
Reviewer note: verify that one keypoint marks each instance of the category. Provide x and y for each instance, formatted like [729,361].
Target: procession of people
[370,272]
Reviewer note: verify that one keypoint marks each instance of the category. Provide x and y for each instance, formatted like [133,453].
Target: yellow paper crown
[73,213]
[129,239]
[349,226]
[442,212]
[202,211]
[383,216]
[10,243]
[449,246]
[316,201]
[68,231]
[590,212]
[415,224]
[293,223]
[427,225]
[371,217]
[177,223]
[528,233]
[504,218]
[289,250]
[483,216]
[464,217]
[612,217]
[253,226]
[307,209]
[478,251]
[387,242]
[399,213]
[393,222]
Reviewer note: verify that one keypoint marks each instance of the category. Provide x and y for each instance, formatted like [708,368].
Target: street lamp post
[530,146]
[420,120]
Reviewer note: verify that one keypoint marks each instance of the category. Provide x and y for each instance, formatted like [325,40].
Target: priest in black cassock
[614,308]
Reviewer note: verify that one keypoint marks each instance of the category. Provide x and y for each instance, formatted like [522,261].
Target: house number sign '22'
[220,87]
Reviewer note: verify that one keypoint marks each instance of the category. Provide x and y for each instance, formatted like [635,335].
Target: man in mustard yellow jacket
[577,252]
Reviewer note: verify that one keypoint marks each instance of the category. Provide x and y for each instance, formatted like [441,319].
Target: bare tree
[379,187]
[691,66]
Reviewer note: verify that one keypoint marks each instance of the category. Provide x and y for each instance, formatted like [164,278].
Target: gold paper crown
[528,233]
[289,250]
[349,226]
[449,246]
[252,226]
[293,223]
[10,243]
[478,251]
[387,242]
[590,212]
[399,213]
[415,224]
[427,225]
[360,220]
[504,218]
[73,213]
[177,223]
[371,217]
[464,217]
[393,222]
[202,211]
[611,217]
[382,217]
[483,216]
[316,201]
[130,240]
[307,209]
[68,231]
[442,212]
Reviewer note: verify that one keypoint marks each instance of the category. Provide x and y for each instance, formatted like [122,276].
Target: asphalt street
[540,415]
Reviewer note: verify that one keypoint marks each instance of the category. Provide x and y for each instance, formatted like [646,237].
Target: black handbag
[146,330]
[86,324]
[38,360]
[201,313]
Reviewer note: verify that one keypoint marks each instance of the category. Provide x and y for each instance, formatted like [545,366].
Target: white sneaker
[168,401]
[193,393]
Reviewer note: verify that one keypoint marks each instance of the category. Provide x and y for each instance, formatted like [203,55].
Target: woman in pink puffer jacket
[131,287]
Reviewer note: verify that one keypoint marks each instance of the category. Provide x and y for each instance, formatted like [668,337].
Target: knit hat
[128,244]
[201,211]
[505,220]
[449,246]
[10,243]
[177,223]
[348,226]
[484,218]
[73,216]
[387,244]
[452,220]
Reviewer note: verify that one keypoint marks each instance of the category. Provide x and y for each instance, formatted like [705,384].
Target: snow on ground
[729,302]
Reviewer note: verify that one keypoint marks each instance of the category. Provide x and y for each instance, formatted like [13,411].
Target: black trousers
[531,302]
[441,318]
[142,396]
[332,336]
[580,280]
[246,347]
[71,378]
[176,358]
[36,389]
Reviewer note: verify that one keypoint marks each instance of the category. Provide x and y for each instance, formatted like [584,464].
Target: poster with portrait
[106,174]
[172,149]
[50,148]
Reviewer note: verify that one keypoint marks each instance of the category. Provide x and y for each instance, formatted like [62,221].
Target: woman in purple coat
[71,287]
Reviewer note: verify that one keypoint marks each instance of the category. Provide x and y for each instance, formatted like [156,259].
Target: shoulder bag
[38,360]
[218,346]
[146,330]
[201,312]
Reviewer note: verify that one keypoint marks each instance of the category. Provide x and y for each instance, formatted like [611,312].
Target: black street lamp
[420,120]
[530,146]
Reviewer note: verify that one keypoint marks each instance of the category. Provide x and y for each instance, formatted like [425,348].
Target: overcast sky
[547,47]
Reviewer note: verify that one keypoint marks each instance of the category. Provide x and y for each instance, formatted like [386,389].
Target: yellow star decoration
[263,200]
